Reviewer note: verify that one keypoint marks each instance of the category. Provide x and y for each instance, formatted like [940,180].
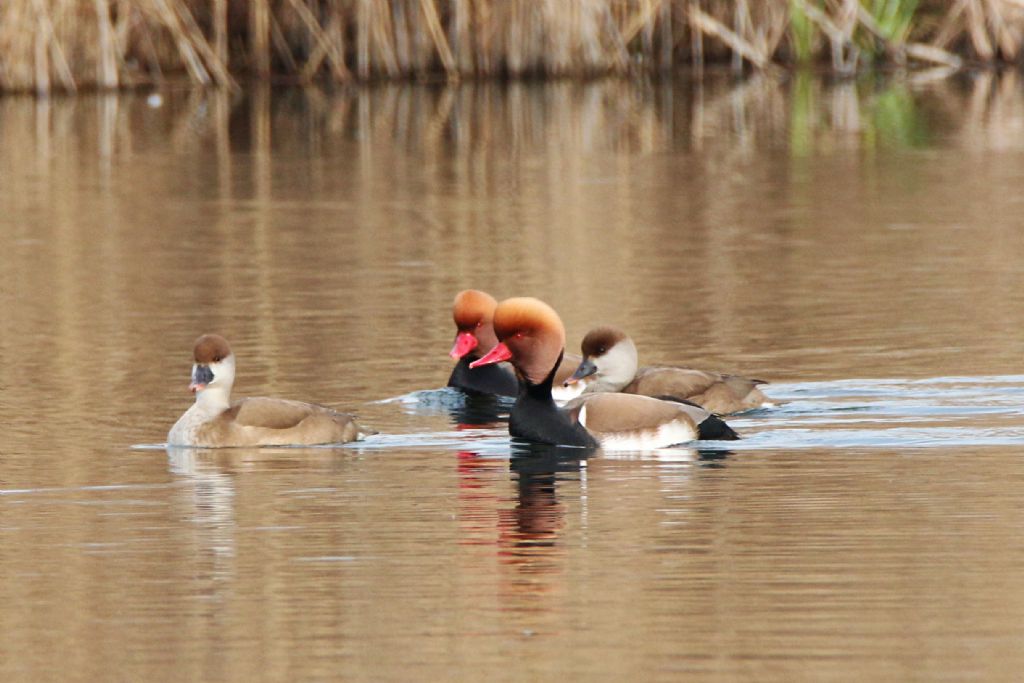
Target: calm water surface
[856,243]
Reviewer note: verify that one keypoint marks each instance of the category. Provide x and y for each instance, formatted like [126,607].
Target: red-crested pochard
[214,422]
[532,337]
[610,361]
[473,312]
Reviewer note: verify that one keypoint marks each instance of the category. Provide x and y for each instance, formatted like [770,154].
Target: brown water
[858,243]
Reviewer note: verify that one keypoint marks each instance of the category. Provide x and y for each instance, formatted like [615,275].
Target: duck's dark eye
[601,350]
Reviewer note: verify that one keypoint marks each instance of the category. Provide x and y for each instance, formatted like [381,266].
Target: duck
[532,337]
[213,421]
[473,313]
[610,361]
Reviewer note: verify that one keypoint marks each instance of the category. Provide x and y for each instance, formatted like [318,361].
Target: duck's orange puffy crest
[527,315]
[472,307]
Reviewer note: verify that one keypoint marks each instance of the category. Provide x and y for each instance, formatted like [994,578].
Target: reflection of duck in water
[478,497]
[537,516]
[213,421]
[610,361]
[532,337]
[473,312]
[207,503]
[479,411]
[528,532]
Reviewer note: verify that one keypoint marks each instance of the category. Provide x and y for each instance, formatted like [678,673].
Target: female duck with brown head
[610,362]
[532,337]
[473,312]
[214,422]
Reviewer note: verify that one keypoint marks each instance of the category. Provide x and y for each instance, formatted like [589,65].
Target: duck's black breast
[487,379]
[536,418]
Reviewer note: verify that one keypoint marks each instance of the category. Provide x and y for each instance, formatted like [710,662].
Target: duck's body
[213,421]
[610,360]
[718,393]
[490,379]
[263,422]
[473,313]
[624,421]
[532,336]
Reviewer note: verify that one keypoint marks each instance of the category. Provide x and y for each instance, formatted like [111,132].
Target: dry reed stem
[437,34]
[936,55]
[363,39]
[107,77]
[220,30]
[978,31]
[42,64]
[194,35]
[47,48]
[666,38]
[165,15]
[643,19]
[281,46]
[330,46]
[384,34]
[259,36]
[60,63]
[951,25]
[320,37]
[711,26]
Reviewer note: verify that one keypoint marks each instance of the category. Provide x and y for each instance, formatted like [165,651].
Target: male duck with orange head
[532,337]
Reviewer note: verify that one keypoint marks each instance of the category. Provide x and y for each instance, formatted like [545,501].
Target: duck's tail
[714,428]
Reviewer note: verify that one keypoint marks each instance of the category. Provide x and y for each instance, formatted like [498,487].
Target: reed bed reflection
[464,120]
[450,177]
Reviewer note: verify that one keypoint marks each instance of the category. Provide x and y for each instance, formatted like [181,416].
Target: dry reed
[65,44]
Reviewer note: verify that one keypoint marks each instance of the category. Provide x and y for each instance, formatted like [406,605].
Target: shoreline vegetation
[66,45]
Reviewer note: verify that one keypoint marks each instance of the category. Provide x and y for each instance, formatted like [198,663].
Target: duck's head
[530,335]
[609,355]
[473,312]
[214,366]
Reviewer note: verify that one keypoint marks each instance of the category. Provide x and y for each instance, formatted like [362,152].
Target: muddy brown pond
[859,244]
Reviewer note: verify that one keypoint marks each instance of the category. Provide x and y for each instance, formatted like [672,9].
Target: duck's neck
[213,400]
[209,403]
[535,417]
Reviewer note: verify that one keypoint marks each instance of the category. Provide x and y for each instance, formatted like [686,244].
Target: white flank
[582,417]
[564,394]
[668,434]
